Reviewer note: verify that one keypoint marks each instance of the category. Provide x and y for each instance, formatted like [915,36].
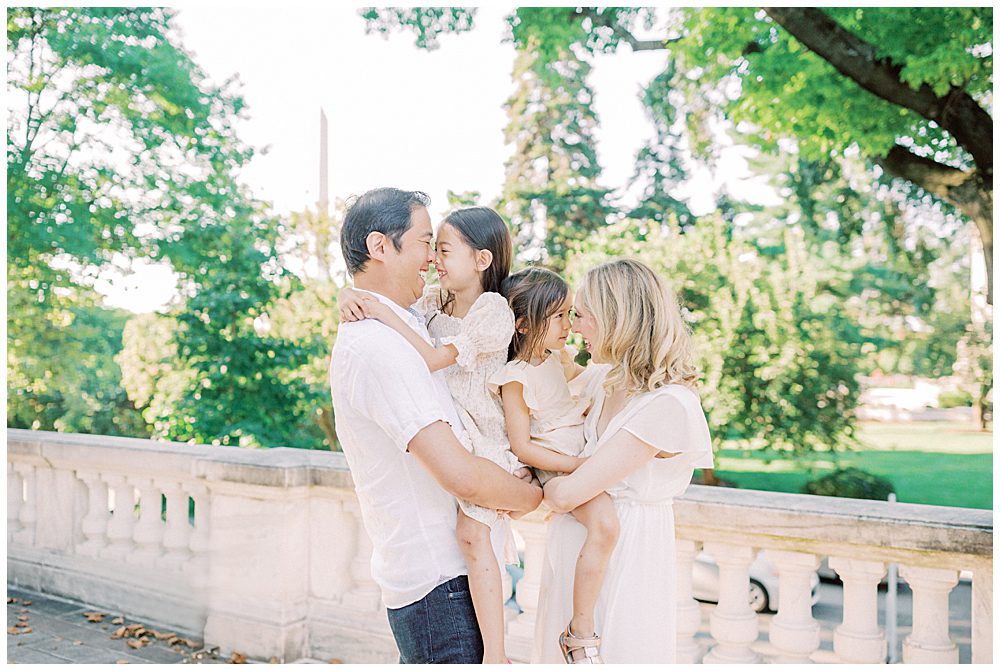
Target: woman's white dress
[637,607]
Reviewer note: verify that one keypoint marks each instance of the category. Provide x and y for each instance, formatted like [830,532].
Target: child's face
[456,261]
[557,329]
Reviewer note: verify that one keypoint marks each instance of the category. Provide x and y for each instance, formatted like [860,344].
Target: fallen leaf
[334,660]
[174,639]
[119,632]
[118,620]
[238,658]
[136,644]
[133,627]
[27,603]
[189,643]
[93,616]
[163,635]
[12,599]
[26,631]
[22,618]
[77,642]
[14,631]
[139,631]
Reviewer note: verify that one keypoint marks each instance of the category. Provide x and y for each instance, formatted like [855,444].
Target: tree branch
[959,188]
[601,19]
[956,112]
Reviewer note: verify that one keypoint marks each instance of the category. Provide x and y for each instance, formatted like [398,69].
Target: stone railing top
[769,519]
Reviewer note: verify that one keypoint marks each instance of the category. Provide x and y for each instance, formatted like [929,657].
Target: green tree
[551,194]
[118,147]
[909,86]
[67,379]
[778,355]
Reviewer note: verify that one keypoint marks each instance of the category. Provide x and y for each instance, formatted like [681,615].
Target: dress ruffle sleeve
[430,301]
[488,327]
[672,421]
[514,371]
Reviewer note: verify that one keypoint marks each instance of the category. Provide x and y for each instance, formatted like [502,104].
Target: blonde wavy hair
[639,328]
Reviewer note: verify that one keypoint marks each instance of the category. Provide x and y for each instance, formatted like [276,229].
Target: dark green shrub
[955,399]
[851,483]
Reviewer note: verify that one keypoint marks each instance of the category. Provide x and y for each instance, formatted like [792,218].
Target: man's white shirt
[383,395]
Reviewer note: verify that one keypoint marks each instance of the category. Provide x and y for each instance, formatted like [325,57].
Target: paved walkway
[48,630]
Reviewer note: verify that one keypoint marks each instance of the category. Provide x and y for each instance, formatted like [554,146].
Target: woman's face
[455,260]
[584,323]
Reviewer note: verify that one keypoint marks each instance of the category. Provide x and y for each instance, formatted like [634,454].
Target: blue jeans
[441,628]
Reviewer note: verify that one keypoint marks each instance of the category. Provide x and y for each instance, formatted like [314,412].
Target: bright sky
[397,115]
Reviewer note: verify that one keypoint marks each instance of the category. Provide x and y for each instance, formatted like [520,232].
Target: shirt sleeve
[671,423]
[488,327]
[514,371]
[400,395]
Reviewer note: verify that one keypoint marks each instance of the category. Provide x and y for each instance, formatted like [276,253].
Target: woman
[645,435]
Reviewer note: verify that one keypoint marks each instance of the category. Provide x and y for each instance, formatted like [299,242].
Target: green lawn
[936,463]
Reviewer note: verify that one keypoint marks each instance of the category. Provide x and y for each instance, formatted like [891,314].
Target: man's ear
[484,258]
[376,243]
[518,327]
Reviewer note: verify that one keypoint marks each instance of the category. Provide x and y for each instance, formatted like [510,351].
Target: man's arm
[468,477]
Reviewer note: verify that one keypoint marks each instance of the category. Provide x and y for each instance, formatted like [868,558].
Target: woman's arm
[518,420]
[624,454]
[436,358]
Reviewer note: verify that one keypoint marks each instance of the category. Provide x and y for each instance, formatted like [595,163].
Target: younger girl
[545,399]
[472,326]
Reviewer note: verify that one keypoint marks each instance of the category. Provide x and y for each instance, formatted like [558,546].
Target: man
[396,422]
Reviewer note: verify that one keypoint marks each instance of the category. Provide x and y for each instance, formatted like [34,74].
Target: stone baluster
[122,519]
[15,493]
[148,531]
[365,594]
[859,640]
[177,535]
[688,611]
[199,540]
[733,623]
[28,513]
[928,642]
[521,629]
[794,632]
[982,614]
[95,524]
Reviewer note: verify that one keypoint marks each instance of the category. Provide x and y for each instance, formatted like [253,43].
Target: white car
[763,582]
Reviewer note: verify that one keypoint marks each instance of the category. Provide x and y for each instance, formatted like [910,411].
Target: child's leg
[484,585]
[599,517]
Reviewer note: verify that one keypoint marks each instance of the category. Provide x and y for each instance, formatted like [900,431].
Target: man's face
[415,255]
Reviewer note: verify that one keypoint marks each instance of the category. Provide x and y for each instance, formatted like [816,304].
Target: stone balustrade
[263,551]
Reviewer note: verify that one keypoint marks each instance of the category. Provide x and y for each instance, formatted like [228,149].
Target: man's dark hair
[385,211]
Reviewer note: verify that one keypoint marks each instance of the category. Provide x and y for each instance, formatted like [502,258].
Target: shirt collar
[408,315]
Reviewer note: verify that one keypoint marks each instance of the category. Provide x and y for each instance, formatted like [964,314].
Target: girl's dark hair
[482,228]
[534,295]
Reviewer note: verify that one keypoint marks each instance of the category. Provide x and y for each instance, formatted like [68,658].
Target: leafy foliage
[851,483]
[118,147]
